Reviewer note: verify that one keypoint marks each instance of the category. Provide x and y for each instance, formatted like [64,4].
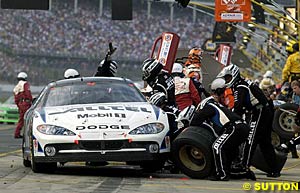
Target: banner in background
[209,46]
[223,54]
[224,33]
[233,10]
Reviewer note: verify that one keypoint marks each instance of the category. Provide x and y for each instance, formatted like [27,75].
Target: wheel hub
[192,157]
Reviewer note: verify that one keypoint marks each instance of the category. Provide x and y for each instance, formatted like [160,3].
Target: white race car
[94,119]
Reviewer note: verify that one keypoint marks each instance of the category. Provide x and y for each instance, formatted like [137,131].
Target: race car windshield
[88,93]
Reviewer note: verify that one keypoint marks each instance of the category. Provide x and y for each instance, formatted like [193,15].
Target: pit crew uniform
[234,132]
[186,93]
[259,119]
[23,99]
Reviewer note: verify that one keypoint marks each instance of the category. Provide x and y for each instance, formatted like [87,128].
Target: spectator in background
[267,85]
[296,92]
[43,34]
[291,145]
[23,100]
[291,70]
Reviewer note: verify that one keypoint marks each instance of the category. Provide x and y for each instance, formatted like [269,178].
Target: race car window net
[93,92]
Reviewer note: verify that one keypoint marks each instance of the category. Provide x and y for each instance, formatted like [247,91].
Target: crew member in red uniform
[186,93]
[23,99]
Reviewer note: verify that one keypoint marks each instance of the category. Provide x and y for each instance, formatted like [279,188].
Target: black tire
[26,163]
[152,166]
[259,162]
[41,167]
[283,121]
[192,152]
[275,139]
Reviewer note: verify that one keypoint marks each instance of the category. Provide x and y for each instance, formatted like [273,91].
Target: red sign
[168,44]
[233,10]
[224,54]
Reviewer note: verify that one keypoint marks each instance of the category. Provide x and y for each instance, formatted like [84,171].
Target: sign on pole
[233,10]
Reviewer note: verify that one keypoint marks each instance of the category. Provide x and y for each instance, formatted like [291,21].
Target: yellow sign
[271,186]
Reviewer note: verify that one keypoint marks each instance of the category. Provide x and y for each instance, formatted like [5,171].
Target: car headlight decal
[151,128]
[54,130]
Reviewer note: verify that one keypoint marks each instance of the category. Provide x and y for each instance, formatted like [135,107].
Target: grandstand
[45,43]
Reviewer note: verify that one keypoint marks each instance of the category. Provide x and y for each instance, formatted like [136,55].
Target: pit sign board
[233,10]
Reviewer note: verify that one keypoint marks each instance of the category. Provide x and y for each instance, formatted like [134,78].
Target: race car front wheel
[41,167]
[152,166]
[192,152]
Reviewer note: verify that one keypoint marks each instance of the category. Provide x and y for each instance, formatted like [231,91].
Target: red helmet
[195,56]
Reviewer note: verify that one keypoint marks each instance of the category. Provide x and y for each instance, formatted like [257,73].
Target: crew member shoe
[18,136]
[283,148]
[250,175]
[218,178]
[295,154]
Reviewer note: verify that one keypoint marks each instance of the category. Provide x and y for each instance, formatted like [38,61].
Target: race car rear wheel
[192,152]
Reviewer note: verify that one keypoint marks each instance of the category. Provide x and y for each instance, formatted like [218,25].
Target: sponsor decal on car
[96,115]
[118,108]
[82,127]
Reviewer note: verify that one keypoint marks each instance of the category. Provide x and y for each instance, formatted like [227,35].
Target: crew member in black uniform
[161,82]
[249,98]
[159,79]
[234,129]
[107,67]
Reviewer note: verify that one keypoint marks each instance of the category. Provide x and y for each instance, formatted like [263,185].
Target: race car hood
[76,117]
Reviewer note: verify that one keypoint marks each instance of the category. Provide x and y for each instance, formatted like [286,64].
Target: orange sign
[232,10]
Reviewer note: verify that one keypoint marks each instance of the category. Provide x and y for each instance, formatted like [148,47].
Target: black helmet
[151,68]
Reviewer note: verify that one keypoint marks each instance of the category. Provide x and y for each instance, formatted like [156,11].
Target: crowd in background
[85,34]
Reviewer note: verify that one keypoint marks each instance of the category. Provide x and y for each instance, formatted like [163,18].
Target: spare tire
[192,152]
[283,121]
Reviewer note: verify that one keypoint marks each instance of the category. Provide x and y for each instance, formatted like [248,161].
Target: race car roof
[89,79]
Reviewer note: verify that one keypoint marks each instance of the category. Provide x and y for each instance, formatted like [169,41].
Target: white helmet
[177,68]
[231,70]
[71,73]
[217,83]
[268,74]
[22,76]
